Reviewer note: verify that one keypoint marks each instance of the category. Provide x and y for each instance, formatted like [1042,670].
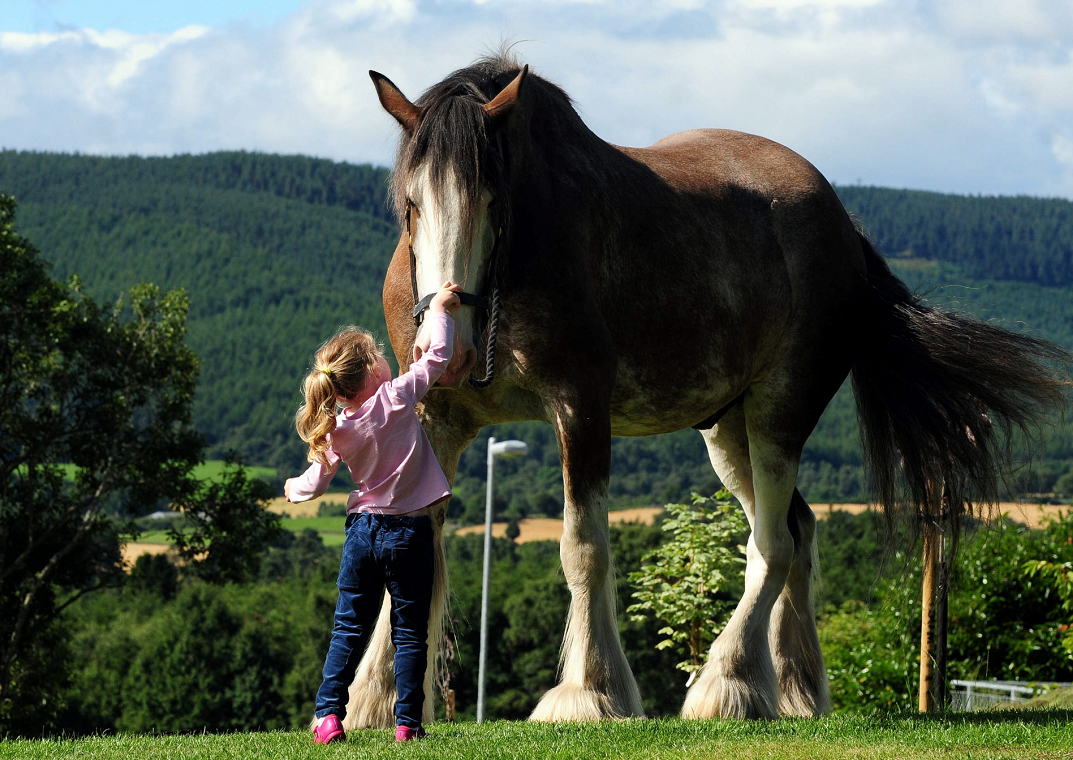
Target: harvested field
[132,551]
[280,505]
[1032,515]
[549,529]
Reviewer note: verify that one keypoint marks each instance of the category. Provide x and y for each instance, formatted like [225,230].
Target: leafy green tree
[872,654]
[1061,574]
[689,580]
[231,529]
[95,429]
[206,666]
[154,575]
[1004,622]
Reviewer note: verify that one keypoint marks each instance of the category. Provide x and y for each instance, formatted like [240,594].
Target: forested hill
[278,251]
[1020,238]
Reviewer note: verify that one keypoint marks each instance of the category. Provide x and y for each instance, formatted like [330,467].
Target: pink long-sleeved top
[383,444]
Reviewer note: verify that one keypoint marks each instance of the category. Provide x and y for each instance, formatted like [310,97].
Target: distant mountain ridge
[278,251]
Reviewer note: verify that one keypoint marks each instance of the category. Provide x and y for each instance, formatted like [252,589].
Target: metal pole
[942,592]
[484,585]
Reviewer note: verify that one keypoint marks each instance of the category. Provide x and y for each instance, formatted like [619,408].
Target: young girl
[388,530]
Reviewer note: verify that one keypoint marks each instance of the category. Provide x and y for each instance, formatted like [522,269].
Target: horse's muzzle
[461,364]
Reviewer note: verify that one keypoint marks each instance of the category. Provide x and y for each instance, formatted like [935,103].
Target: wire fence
[979,695]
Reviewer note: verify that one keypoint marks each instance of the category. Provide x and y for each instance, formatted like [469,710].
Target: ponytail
[316,417]
[339,372]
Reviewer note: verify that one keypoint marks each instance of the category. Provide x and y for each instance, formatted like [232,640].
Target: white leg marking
[738,681]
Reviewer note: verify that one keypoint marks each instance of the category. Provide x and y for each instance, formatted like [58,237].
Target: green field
[329,528]
[980,736]
[214,468]
[210,470]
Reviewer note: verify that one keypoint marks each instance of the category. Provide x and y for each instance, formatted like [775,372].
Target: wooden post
[927,615]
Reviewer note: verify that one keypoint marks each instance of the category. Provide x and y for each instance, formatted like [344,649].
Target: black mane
[452,134]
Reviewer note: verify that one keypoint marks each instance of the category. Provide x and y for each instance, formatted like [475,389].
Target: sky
[963,96]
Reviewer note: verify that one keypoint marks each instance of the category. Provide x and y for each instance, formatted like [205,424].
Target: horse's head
[450,188]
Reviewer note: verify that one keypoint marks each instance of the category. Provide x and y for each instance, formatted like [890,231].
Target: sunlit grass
[1022,734]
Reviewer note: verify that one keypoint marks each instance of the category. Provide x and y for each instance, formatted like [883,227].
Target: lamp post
[505,449]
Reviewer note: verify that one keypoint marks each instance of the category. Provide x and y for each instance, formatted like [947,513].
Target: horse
[712,280]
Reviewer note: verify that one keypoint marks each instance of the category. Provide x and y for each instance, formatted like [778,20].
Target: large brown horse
[713,281]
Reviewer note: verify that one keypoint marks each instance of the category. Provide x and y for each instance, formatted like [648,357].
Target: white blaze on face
[445,252]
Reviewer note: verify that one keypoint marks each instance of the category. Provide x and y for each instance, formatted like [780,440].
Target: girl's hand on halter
[446,300]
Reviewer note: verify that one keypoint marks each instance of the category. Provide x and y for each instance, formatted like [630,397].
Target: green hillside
[278,251]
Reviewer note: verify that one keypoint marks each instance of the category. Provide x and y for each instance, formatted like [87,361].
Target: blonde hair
[340,369]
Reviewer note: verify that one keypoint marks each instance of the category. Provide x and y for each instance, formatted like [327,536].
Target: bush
[692,580]
[1003,624]
[331,509]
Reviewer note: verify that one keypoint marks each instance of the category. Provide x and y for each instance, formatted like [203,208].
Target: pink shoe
[328,729]
[407,734]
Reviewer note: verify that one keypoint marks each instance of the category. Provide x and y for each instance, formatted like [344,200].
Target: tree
[95,429]
[688,581]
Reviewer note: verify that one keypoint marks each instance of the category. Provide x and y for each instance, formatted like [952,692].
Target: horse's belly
[664,409]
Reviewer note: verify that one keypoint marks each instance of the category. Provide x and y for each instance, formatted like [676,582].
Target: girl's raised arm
[412,385]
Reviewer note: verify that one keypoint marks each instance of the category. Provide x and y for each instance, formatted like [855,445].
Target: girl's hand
[446,300]
[287,488]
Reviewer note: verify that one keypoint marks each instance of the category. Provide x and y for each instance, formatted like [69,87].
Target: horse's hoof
[718,695]
[576,704]
[802,696]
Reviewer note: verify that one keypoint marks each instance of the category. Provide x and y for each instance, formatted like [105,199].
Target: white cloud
[876,90]
[1003,21]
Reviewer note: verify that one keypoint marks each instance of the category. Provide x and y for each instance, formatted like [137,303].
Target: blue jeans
[396,552]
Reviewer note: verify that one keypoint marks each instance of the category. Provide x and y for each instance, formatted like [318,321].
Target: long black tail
[939,395]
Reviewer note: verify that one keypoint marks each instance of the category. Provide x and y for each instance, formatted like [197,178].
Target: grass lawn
[980,736]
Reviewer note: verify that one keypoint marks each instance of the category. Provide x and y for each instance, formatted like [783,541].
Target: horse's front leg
[596,681]
[372,693]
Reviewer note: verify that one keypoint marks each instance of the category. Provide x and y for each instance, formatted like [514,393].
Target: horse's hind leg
[596,681]
[739,679]
[795,644]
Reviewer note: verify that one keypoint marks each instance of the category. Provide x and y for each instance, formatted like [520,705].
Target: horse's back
[753,181]
[771,258]
[713,157]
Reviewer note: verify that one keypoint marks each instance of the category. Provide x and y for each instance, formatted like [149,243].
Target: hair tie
[326,371]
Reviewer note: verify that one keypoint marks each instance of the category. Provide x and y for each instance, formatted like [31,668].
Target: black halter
[487,303]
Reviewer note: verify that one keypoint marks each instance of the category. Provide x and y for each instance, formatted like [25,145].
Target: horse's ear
[395,103]
[501,105]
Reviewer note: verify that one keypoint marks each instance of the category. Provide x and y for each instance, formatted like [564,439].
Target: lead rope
[490,344]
